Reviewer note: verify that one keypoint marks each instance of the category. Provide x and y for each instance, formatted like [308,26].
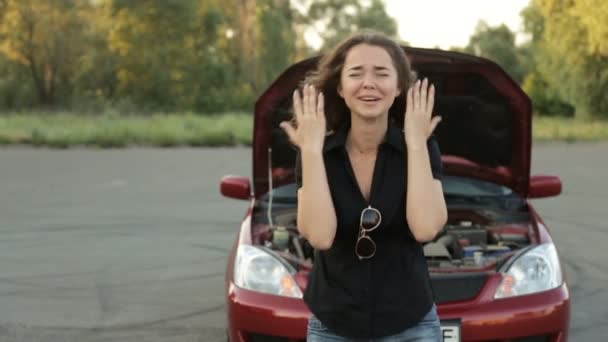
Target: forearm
[425,209]
[316,214]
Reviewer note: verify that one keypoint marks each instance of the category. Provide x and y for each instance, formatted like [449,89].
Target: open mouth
[369,99]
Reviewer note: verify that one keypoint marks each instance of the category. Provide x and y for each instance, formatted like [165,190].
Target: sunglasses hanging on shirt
[365,248]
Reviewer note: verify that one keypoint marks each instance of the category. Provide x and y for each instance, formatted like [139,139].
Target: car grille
[457,287]
[268,338]
[543,338]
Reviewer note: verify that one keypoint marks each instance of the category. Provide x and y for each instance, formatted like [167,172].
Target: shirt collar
[394,137]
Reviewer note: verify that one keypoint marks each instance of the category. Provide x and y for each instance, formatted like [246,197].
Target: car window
[463,186]
[283,194]
[452,186]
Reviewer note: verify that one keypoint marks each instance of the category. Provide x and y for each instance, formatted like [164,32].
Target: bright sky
[447,23]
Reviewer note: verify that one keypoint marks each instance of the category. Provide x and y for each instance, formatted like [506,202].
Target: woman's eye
[355,75]
[383,75]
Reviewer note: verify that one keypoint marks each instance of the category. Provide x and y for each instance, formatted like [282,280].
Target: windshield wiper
[465,199]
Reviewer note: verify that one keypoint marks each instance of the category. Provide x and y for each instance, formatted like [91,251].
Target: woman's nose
[368,82]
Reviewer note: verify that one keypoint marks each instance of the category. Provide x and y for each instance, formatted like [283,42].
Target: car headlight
[258,270]
[536,270]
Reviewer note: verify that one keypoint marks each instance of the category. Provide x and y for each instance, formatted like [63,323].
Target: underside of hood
[485,130]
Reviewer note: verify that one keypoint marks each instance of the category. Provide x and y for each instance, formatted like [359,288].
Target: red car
[495,271]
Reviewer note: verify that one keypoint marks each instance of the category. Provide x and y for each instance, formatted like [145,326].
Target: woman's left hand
[418,125]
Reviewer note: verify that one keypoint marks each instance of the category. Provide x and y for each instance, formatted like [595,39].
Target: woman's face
[368,82]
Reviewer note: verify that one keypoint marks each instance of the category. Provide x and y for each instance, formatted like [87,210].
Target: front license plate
[450,332]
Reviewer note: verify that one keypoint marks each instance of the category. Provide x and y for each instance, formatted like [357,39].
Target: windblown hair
[326,78]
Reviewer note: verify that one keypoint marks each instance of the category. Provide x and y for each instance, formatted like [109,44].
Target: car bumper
[541,317]
[257,317]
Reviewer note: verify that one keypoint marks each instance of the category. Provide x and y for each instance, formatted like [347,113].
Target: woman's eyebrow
[355,68]
[360,67]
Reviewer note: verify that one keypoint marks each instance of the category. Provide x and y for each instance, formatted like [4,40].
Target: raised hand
[418,125]
[309,135]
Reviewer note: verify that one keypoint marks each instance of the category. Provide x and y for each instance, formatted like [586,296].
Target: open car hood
[485,130]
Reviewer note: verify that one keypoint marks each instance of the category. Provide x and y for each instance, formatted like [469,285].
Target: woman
[369,174]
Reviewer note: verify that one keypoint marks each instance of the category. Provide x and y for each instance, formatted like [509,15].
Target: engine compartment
[471,240]
[469,245]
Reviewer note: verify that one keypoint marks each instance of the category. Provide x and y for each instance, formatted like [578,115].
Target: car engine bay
[471,239]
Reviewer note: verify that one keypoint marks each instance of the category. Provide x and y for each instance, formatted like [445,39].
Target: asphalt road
[131,245]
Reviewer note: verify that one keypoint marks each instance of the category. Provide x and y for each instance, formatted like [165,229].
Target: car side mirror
[545,186]
[235,187]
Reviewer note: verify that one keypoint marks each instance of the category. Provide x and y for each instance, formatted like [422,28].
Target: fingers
[320,106]
[431,99]
[312,101]
[310,105]
[417,95]
[297,105]
[423,92]
[307,105]
[421,97]
[306,101]
[434,122]
[289,130]
[410,100]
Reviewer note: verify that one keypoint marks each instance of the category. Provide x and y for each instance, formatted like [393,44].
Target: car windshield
[463,186]
[454,187]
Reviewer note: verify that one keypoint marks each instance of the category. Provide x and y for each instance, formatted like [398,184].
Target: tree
[48,38]
[498,44]
[200,54]
[276,40]
[545,97]
[95,77]
[574,52]
[254,41]
[154,41]
[333,20]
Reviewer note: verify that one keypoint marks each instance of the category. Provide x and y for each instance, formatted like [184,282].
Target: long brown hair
[326,78]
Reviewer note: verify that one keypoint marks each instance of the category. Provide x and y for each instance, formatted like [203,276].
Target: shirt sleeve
[435,157]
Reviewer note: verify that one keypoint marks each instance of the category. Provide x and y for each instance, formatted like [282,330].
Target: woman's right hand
[309,135]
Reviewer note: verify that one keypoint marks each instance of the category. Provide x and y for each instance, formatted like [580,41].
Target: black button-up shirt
[390,292]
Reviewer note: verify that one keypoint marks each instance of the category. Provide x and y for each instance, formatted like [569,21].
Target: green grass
[66,129]
[570,130]
[62,130]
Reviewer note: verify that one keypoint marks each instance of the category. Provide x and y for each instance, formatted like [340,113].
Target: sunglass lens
[365,247]
[369,219]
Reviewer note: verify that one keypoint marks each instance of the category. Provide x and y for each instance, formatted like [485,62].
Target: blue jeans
[428,330]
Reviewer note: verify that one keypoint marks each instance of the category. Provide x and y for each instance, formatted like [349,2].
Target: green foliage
[60,130]
[96,79]
[573,52]
[16,90]
[48,40]
[276,40]
[544,100]
[567,129]
[334,20]
[498,44]
[150,38]
[546,97]
[157,55]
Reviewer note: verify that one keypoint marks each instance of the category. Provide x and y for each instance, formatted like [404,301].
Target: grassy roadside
[570,130]
[65,130]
